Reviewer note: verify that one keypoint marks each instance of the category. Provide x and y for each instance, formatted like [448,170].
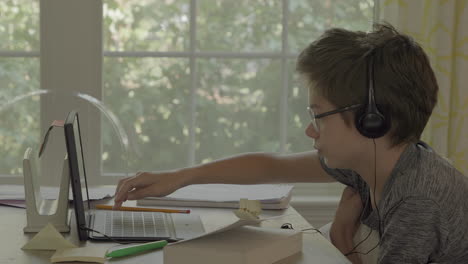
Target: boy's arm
[256,168]
[253,168]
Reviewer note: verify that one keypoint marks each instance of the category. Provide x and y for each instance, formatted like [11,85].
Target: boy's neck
[386,161]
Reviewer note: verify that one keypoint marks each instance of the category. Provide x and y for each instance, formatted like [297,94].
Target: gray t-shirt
[423,209]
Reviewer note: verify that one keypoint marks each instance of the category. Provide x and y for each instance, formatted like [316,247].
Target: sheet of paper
[48,239]
[14,203]
[240,222]
[16,192]
[246,218]
[230,192]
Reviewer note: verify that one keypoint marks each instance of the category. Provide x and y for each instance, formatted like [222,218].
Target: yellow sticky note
[48,239]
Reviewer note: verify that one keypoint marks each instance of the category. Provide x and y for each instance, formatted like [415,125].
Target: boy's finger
[141,193]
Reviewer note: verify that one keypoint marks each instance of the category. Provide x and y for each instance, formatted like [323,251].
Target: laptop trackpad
[187,225]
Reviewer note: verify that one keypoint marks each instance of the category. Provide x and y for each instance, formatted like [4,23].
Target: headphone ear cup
[372,124]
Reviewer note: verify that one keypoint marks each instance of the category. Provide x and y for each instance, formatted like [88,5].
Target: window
[19,75]
[196,80]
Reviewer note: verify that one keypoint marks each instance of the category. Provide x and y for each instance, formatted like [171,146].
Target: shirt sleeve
[347,177]
[413,233]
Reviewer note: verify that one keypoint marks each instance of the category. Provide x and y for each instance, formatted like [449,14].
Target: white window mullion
[285,79]
[376,13]
[19,54]
[201,54]
[193,81]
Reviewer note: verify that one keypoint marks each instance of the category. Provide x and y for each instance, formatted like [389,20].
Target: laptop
[106,225]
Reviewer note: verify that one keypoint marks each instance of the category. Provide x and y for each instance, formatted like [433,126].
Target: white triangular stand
[40,212]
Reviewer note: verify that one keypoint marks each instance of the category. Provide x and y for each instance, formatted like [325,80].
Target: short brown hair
[335,65]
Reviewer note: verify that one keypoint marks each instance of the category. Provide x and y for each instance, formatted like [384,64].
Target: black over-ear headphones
[370,122]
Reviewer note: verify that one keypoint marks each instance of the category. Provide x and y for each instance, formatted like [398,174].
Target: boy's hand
[145,184]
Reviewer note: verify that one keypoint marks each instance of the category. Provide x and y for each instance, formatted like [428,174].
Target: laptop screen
[77,173]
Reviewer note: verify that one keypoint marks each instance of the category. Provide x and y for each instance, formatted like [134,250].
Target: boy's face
[340,145]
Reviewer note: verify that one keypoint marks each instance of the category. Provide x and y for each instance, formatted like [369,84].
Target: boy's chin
[330,163]
[327,162]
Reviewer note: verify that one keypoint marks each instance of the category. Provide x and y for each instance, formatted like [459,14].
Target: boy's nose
[311,132]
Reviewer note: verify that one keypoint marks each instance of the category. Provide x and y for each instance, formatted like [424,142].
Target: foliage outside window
[186,89]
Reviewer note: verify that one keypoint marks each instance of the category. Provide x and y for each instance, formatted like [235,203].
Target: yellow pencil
[142,209]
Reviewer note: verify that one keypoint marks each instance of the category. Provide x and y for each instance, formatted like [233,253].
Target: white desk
[316,249]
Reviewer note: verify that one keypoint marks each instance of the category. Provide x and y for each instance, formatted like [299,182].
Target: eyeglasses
[314,117]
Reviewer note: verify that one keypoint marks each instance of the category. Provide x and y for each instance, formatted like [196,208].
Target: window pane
[237,107]
[19,25]
[151,99]
[308,19]
[298,118]
[18,76]
[242,25]
[20,117]
[146,25]
[298,141]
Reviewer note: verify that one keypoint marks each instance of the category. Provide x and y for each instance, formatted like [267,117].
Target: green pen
[136,249]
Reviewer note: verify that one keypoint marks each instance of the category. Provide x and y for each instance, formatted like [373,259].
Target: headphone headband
[370,122]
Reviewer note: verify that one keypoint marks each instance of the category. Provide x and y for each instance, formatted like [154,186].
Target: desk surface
[316,249]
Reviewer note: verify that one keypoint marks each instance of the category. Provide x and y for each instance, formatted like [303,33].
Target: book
[241,245]
[271,196]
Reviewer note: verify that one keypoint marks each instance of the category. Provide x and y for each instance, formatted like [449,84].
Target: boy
[370,97]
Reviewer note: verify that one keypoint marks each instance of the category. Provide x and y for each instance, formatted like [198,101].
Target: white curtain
[441,27]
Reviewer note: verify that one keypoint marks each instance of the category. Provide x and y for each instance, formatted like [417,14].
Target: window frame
[48,65]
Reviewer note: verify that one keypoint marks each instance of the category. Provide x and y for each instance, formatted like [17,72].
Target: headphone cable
[352,251]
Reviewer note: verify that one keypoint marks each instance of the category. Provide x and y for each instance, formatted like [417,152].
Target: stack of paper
[271,196]
[242,245]
[13,195]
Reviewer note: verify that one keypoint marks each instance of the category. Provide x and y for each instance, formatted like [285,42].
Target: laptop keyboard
[135,224]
